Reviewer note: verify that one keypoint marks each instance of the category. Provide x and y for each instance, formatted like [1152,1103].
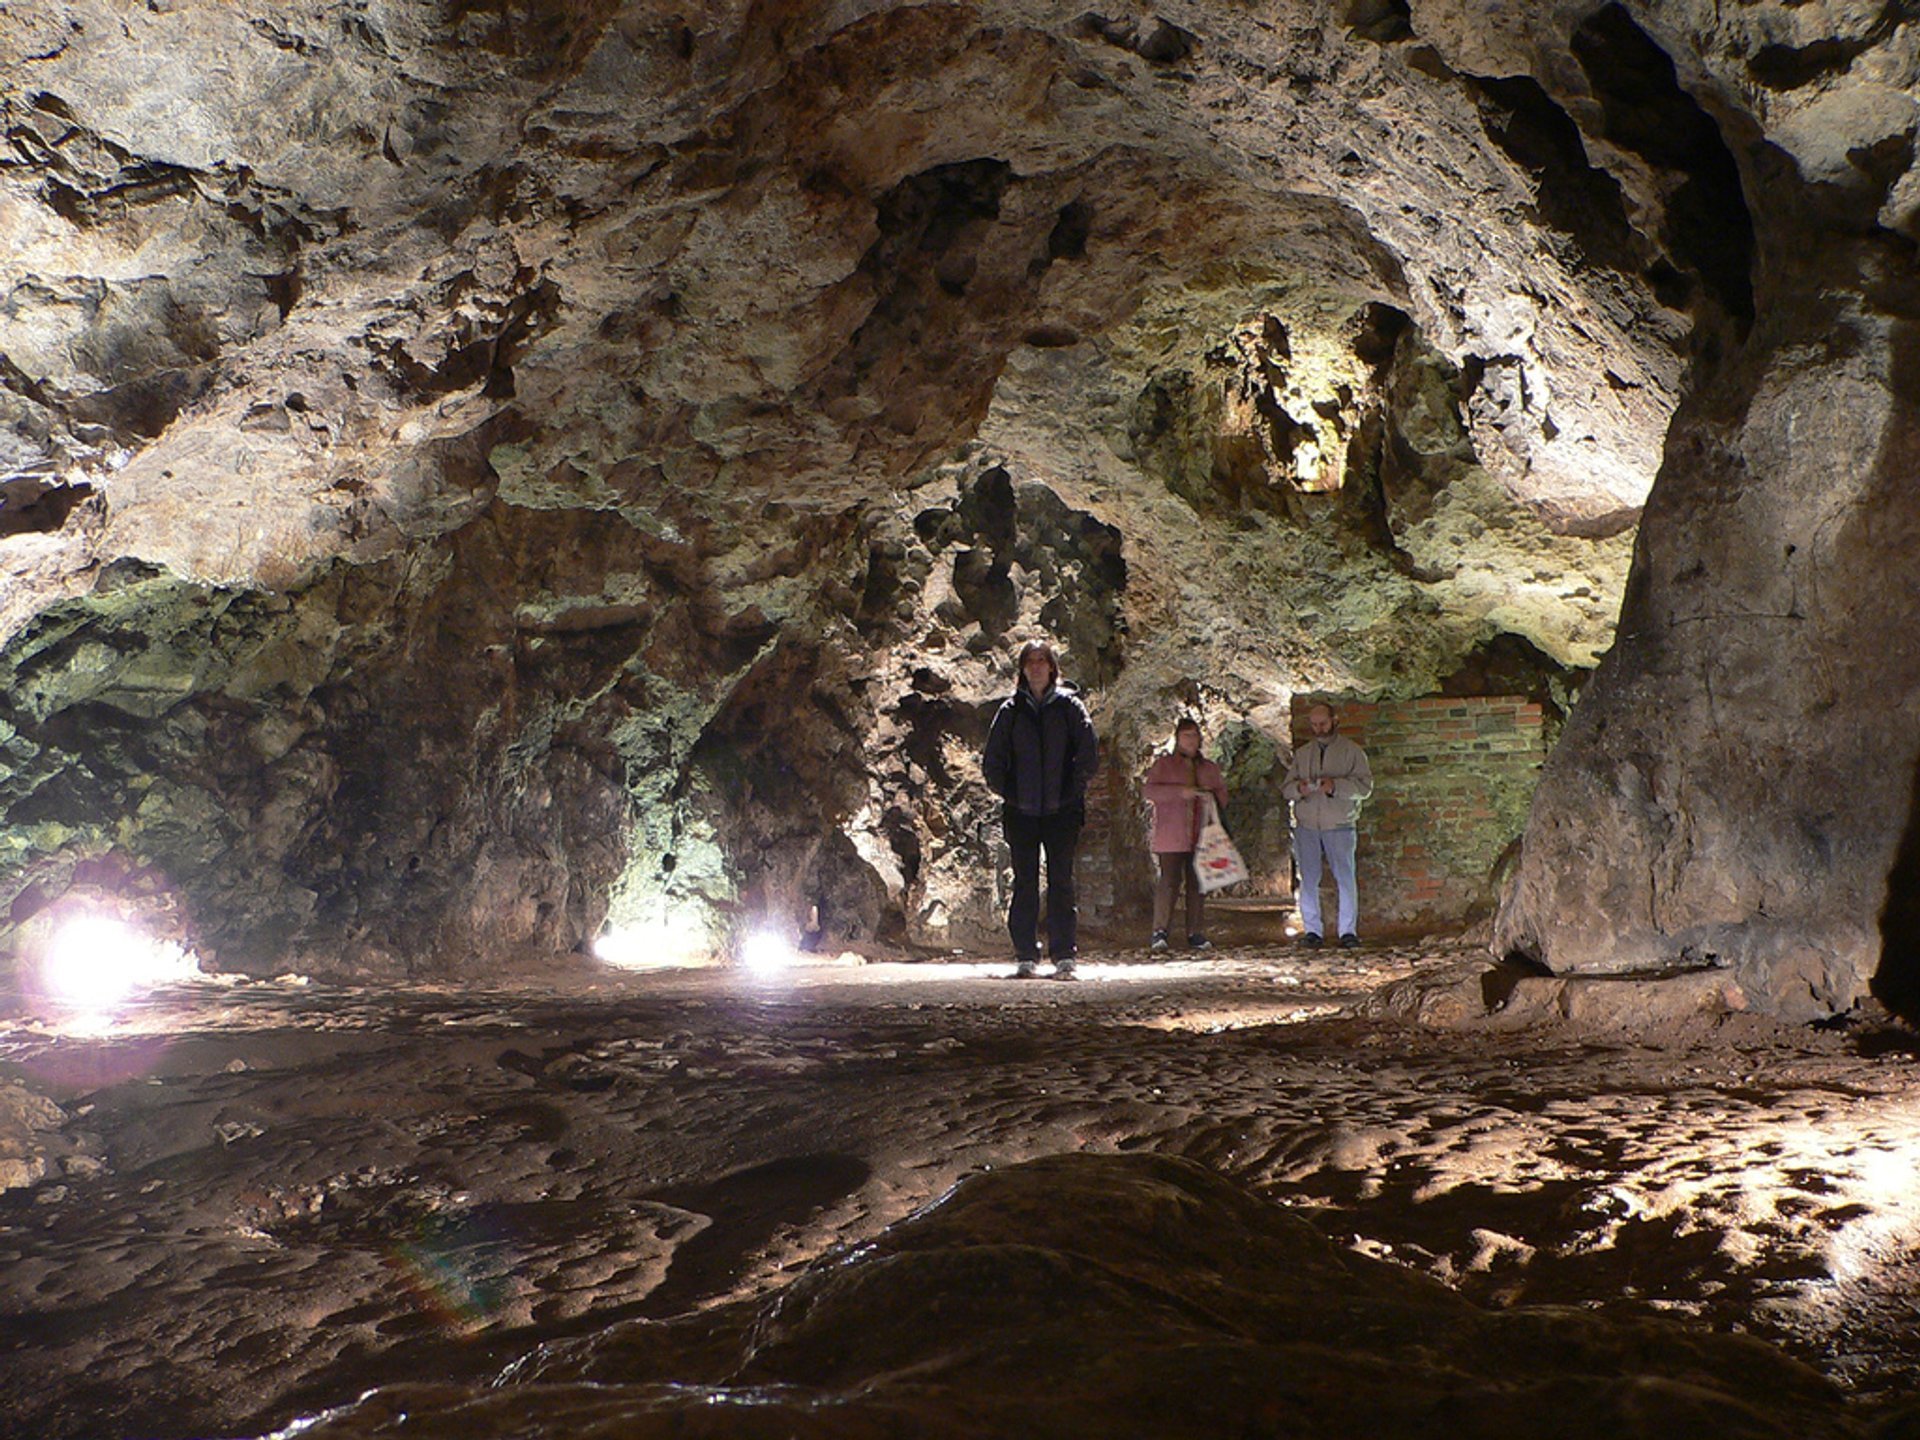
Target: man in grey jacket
[1327,781]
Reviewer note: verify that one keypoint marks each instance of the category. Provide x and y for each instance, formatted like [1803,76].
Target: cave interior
[516,517]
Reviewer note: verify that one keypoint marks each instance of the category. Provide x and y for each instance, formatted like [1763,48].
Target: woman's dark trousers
[1027,835]
[1176,870]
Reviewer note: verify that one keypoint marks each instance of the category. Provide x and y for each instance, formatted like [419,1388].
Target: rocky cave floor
[263,1199]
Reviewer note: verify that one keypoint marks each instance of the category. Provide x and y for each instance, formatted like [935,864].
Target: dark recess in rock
[1167,43]
[928,211]
[29,504]
[1672,288]
[1385,22]
[936,228]
[981,581]
[1511,665]
[1068,238]
[1885,161]
[1575,197]
[1709,227]
[1788,67]
[1896,982]
[987,511]
[1164,44]
[138,184]
[1377,334]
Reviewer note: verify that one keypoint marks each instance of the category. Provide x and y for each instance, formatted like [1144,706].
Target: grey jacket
[1338,759]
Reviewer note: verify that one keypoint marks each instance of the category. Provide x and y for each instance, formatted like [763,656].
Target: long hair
[1038,647]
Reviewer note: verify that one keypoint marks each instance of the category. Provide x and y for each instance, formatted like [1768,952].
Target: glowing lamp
[766,953]
[95,963]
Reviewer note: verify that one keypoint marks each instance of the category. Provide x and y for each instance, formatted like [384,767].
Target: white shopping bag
[1216,863]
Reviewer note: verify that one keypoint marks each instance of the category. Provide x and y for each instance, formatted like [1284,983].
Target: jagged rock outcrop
[471,473]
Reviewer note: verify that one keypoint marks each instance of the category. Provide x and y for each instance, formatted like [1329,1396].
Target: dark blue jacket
[1041,754]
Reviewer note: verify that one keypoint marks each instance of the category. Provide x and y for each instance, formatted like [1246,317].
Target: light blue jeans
[1337,846]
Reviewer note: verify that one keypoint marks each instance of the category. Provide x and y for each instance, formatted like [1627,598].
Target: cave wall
[1733,789]
[477,475]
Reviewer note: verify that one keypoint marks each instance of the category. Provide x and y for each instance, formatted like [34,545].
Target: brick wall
[1453,777]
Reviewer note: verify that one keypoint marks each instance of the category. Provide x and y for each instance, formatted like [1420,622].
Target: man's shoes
[1349,940]
[1312,940]
[1199,942]
[1159,941]
[1025,970]
[1063,969]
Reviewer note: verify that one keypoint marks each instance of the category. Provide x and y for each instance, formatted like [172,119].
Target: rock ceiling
[469,464]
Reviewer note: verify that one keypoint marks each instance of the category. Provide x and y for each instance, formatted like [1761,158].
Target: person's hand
[1327,786]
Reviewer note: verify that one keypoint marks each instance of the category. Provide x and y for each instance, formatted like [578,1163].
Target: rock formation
[1123,1296]
[1735,789]
[477,473]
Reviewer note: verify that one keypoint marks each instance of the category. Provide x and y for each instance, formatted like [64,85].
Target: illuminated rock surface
[475,474]
[519,452]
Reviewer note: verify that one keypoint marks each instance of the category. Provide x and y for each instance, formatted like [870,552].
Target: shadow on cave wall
[1896,984]
[1708,230]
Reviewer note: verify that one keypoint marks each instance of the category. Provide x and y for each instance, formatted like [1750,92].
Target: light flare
[767,952]
[456,1278]
[652,945]
[92,964]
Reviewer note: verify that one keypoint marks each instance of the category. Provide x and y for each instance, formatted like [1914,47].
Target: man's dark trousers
[1059,835]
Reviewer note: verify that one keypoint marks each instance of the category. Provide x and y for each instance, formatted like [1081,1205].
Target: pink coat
[1176,815]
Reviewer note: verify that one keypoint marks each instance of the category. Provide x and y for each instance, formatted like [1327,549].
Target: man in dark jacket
[1041,752]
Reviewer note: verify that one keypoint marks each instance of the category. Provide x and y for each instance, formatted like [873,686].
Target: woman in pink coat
[1179,784]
